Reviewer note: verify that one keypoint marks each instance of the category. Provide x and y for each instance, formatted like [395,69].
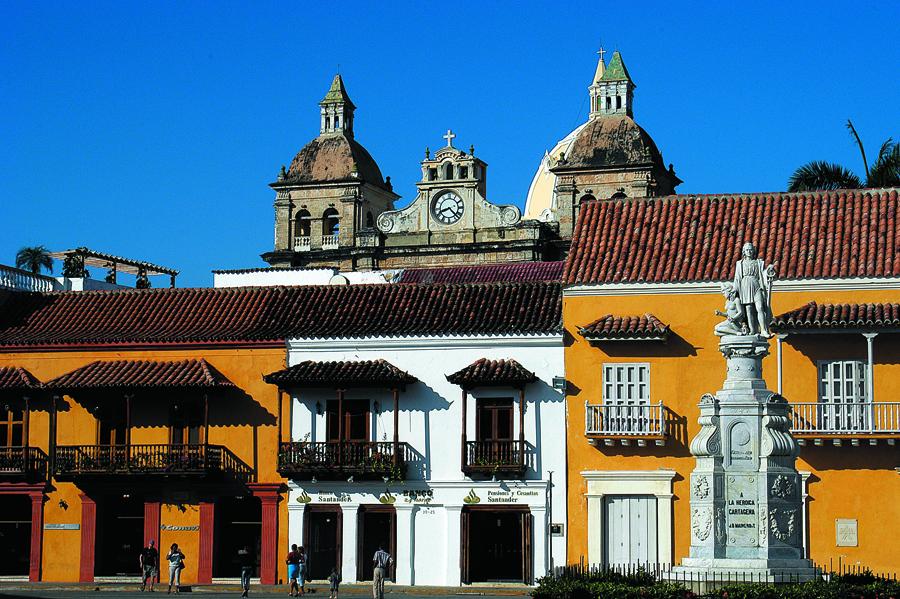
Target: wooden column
[340,419]
[205,557]
[37,533]
[51,442]
[462,455]
[26,420]
[396,393]
[206,433]
[280,395]
[127,432]
[88,538]
[268,494]
[522,426]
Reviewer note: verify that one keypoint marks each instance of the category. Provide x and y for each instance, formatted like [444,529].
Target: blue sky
[151,130]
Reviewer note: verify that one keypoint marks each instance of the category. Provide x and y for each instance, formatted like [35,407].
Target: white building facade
[453,504]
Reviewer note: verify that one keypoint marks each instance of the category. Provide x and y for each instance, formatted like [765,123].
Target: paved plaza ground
[122,591]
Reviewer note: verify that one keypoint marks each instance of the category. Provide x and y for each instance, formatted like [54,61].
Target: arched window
[448,171]
[330,222]
[370,220]
[619,195]
[587,198]
[327,122]
[302,224]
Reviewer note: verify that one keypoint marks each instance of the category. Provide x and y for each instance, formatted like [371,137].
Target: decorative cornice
[430,342]
[714,287]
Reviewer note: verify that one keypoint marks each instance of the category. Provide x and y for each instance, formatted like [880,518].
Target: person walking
[301,571]
[293,564]
[176,564]
[149,559]
[382,561]
[334,580]
[246,562]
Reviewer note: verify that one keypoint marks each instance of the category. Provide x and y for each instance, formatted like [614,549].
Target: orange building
[131,416]
[642,284]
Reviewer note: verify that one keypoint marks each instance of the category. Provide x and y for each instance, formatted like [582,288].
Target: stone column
[453,574]
[296,513]
[37,535]
[88,538]
[350,519]
[540,530]
[283,214]
[406,544]
[207,530]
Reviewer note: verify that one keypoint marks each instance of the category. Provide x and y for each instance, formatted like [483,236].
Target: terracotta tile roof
[484,373]
[272,314]
[488,273]
[635,328]
[16,378]
[368,373]
[840,316]
[808,235]
[142,374]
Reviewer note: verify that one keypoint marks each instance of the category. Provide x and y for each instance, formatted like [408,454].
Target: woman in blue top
[293,564]
[176,563]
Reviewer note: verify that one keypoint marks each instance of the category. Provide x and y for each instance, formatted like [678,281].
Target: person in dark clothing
[149,559]
[246,561]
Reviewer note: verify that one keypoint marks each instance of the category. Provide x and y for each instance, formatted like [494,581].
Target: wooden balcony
[837,423]
[365,460]
[618,424]
[142,460]
[23,463]
[495,458]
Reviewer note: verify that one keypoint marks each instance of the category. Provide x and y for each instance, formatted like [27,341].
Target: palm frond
[859,143]
[821,175]
[34,259]
[886,170]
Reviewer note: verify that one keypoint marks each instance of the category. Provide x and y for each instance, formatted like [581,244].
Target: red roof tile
[636,328]
[840,316]
[272,314]
[137,374]
[488,273]
[808,235]
[368,373]
[484,373]
[16,378]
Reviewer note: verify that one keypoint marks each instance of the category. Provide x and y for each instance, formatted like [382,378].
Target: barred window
[626,384]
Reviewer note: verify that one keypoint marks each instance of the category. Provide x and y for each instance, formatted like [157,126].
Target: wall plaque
[61,526]
[846,532]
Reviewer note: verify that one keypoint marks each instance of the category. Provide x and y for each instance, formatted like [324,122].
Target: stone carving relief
[385,222]
[707,442]
[783,523]
[720,526]
[701,486]
[782,487]
[701,522]
[763,526]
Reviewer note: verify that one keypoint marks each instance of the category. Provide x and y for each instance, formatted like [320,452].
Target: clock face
[447,208]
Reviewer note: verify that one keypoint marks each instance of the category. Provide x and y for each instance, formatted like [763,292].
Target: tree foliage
[34,259]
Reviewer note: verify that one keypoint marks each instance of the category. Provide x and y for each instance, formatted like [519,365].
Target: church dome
[612,141]
[540,201]
[334,158]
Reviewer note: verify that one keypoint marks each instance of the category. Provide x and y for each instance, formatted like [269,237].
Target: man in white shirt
[382,561]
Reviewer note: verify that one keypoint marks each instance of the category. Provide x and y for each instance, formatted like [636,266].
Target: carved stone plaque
[846,532]
[741,518]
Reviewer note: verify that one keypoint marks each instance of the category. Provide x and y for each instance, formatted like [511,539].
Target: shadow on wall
[837,346]
[864,457]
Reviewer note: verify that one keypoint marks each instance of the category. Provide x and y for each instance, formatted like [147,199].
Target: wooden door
[376,525]
[12,427]
[356,420]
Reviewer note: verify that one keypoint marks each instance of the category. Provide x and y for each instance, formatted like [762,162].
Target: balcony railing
[22,280]
[870,418]
[104,460]
[29,463]
[333,459]
[302,244]
[625,423]
[495,457]
[329,242]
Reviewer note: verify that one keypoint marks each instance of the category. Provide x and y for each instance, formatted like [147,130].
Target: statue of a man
[736,323]
[752,283]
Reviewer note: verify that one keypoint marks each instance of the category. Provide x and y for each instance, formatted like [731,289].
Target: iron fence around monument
[705,584]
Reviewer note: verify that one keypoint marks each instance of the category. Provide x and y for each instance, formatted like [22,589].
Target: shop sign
[326,497]
[512,495]
[178,528]
[418,496]
[61,526]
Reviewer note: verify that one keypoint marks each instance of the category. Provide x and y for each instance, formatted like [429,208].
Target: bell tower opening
[336,110]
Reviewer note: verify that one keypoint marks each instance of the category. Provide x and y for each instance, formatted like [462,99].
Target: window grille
[842,395]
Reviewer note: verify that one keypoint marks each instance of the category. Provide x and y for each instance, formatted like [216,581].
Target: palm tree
[821,175]
[34,259]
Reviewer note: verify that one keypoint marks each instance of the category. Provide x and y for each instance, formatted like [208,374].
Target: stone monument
[745,491]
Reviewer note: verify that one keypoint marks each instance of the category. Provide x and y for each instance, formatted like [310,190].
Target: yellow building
[642,287]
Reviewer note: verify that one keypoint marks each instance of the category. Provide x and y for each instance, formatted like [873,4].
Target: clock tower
[451,198]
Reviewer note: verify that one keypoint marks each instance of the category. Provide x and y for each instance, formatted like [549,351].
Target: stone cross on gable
[449,137]
[601,52]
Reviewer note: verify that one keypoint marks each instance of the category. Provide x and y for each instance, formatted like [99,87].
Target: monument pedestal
[746,501]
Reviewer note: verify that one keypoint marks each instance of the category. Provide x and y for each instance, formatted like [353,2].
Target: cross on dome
[601,52]
[449,137]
